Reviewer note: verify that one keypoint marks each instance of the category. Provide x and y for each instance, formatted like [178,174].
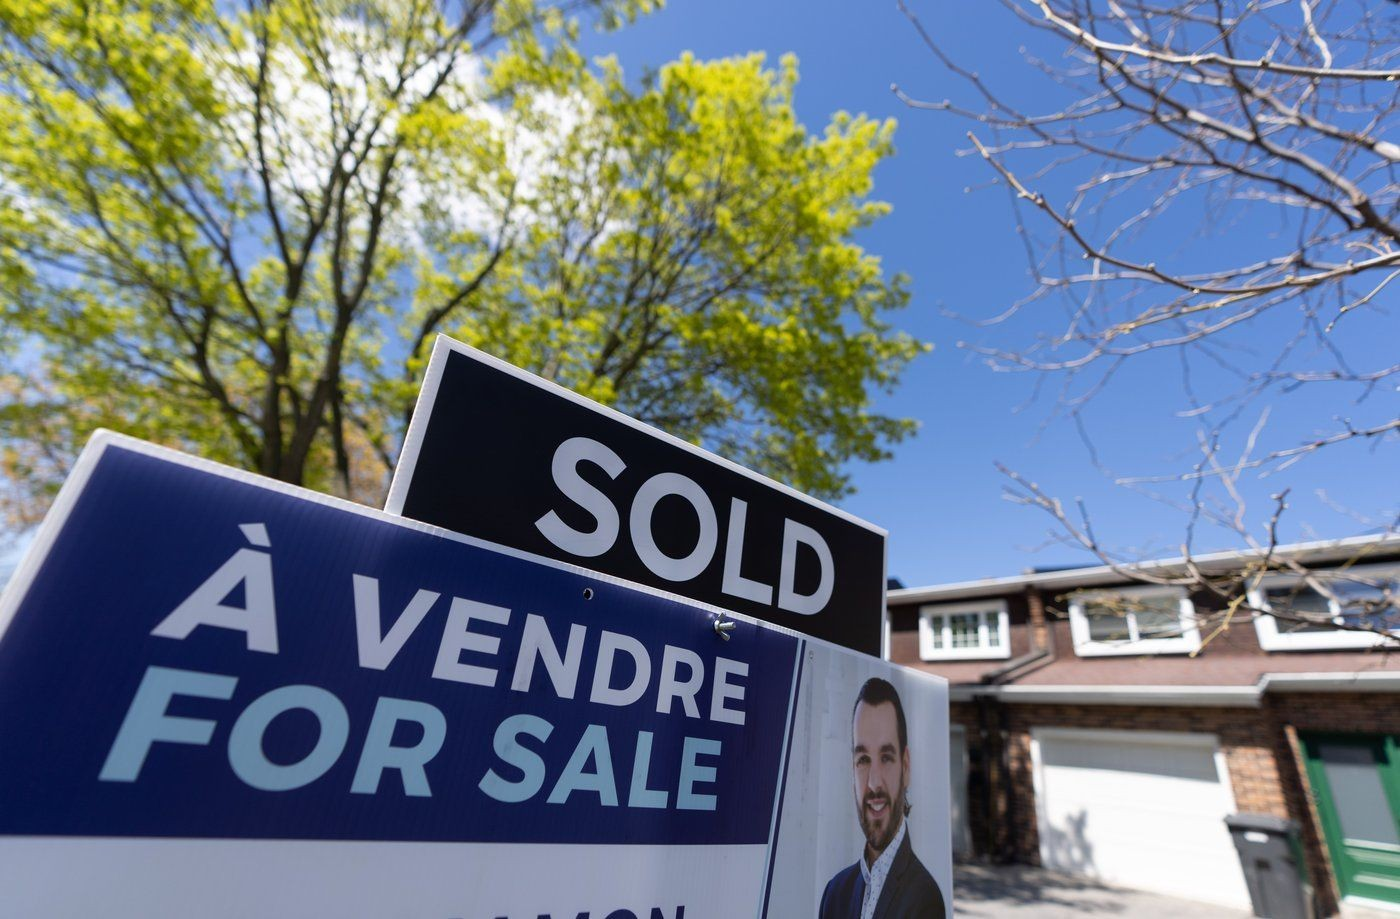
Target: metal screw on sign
[723,626]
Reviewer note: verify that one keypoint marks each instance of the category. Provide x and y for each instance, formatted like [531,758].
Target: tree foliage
[240,229]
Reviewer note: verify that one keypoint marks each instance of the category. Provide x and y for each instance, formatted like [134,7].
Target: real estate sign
[501,454]
[225,696]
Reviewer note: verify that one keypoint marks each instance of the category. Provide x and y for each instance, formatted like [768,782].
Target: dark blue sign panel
[503,455]
[198,653]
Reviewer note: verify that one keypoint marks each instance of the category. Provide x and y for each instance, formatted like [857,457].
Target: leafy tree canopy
[239,231]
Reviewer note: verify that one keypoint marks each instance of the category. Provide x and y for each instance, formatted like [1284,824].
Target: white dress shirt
[875,874]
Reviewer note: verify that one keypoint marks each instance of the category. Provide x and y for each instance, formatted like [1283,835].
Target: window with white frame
[960,631]
[1331,609]
[1139,620]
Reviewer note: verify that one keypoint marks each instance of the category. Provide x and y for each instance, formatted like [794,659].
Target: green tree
[239,231]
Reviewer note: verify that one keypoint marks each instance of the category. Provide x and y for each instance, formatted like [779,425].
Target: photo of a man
[887,881]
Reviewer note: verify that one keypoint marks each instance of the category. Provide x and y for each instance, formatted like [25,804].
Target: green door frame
[1364,869]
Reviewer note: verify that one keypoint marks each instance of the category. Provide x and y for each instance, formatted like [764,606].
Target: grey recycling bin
[1274,870]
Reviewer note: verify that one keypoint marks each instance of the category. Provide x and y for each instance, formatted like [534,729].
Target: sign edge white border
[17,587]
[417,426]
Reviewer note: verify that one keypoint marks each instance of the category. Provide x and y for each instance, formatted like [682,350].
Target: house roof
[1204,670]
[1191,694]
[1317,552]
[957,672]
[1250,696]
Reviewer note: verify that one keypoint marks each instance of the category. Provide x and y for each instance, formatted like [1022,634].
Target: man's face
[881,773]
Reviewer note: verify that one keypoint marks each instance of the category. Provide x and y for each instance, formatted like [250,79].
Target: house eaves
[1317,552]
[1199,696]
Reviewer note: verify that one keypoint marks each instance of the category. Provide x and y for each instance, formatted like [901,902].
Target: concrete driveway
[1031,893]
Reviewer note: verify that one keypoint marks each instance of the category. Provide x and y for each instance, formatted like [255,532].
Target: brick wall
[964,714]
[1035,616]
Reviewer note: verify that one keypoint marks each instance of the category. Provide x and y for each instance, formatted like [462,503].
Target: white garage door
[1137,809]
[957,776]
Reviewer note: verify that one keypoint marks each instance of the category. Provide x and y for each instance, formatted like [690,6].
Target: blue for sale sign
[224,696]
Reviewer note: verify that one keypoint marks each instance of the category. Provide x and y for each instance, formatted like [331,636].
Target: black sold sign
[496,453]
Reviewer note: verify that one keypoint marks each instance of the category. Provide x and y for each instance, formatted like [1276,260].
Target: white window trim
[983,652]
[1271,639]
[1188,641]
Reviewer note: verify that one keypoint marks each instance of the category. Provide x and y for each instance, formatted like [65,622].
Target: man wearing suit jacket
[888,881]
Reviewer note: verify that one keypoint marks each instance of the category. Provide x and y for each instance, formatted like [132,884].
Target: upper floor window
[1332,609]
[1134,620]
[954,631]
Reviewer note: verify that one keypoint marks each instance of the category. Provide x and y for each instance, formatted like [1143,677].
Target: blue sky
[941,496]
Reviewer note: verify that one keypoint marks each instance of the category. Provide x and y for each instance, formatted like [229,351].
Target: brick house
[1101,729]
